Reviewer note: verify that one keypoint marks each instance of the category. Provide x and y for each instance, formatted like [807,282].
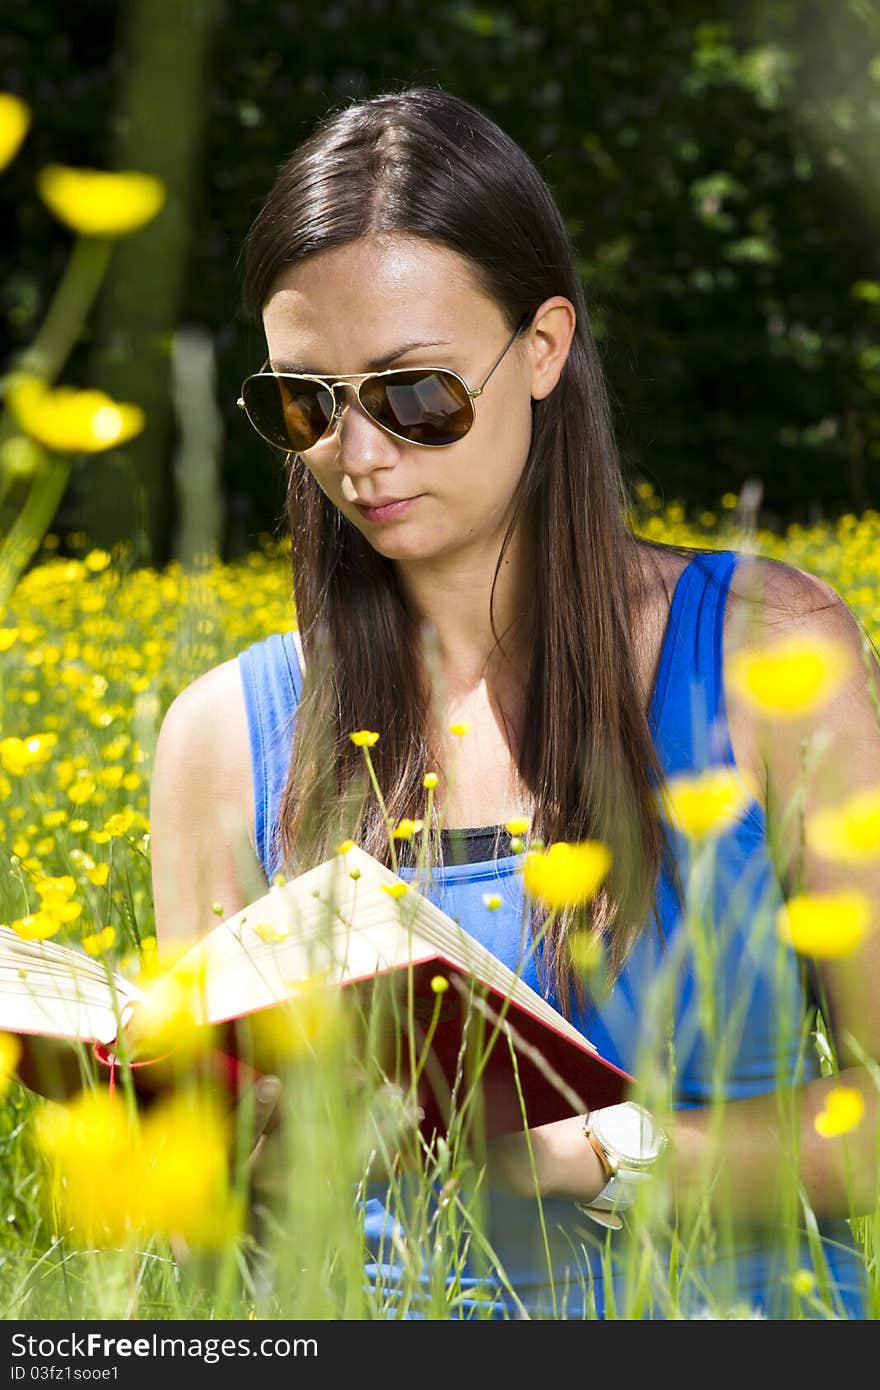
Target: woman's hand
[265,1121]
[562,1162]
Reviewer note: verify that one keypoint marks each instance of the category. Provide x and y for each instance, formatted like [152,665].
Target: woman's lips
[387,511]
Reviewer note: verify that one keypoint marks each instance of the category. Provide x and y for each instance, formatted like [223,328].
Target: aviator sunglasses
[421,405]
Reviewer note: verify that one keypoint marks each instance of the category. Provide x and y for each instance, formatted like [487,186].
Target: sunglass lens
[426,407]
[288,411]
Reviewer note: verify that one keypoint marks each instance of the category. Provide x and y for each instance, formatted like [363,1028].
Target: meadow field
[110,1214]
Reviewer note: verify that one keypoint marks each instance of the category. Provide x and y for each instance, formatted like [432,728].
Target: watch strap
[600,1152]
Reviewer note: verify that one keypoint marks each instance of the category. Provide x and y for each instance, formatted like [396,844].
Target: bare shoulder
[770,599]
[205,727]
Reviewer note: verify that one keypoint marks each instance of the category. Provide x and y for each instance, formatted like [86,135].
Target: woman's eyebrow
[375,366]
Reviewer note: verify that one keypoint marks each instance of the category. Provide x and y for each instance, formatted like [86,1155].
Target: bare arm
[841,745]
[748,1160]
[201,809]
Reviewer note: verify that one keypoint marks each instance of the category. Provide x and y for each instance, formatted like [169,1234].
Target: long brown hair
[423,162]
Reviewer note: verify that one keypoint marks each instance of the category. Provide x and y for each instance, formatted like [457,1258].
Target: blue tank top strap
[688,713]
[272,684]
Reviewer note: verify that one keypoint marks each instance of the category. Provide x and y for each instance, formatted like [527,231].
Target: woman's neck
[449,601]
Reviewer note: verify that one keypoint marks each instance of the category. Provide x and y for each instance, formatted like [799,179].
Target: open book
[423,987]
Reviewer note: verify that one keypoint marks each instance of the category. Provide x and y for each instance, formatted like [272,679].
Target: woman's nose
[360,440]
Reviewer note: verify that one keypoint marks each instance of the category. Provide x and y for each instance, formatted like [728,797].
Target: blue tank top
[682,994]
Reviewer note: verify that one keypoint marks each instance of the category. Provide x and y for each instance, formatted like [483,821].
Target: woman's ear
[549,341]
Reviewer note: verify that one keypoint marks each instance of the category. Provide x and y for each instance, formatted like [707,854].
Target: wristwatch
[628,1142]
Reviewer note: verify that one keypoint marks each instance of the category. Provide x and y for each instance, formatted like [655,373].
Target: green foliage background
[717,163]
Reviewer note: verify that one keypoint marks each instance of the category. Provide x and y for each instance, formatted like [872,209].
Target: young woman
[462,557]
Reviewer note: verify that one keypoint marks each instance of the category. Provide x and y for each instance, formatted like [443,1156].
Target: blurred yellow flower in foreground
[825,925]
[310,1023]
[849,832]
[585,951]
[705,803]
[116,1176]
[803,1281]
[794,676]
[844,1110]
[566,875]
[71,421]
[15,118]
[170,1016]
[10,1052]
[95,202]
[8,636]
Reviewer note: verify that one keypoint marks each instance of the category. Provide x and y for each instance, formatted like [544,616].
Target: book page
[326,925]
[58,991]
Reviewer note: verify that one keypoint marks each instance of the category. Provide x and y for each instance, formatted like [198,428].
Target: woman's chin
[404,545]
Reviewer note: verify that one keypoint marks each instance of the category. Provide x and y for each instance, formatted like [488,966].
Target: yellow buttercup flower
[825,925]
[119,824]
[64,885]
[705,803]
[17,755]
[95,202]
[270,934]
[396,889]
[789,678]
[430,780]
[344,846]
[8,636]
[36,926]
[405,829]
[100,941]
[70,421]
[84,1142]
[844,1110]
[187,1187]
[566,875]
[364,738]
[518,826]
[439,984]
[803,1282]
[81,791]
[169,1172]
[459,728]
[849,832]
[97,560]
[15,118]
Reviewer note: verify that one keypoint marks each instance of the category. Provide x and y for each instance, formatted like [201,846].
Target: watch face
[629,1132]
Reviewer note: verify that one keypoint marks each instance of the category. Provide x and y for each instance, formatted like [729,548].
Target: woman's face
[383,302]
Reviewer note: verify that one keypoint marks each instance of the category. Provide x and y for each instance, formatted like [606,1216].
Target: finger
[267,1112]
